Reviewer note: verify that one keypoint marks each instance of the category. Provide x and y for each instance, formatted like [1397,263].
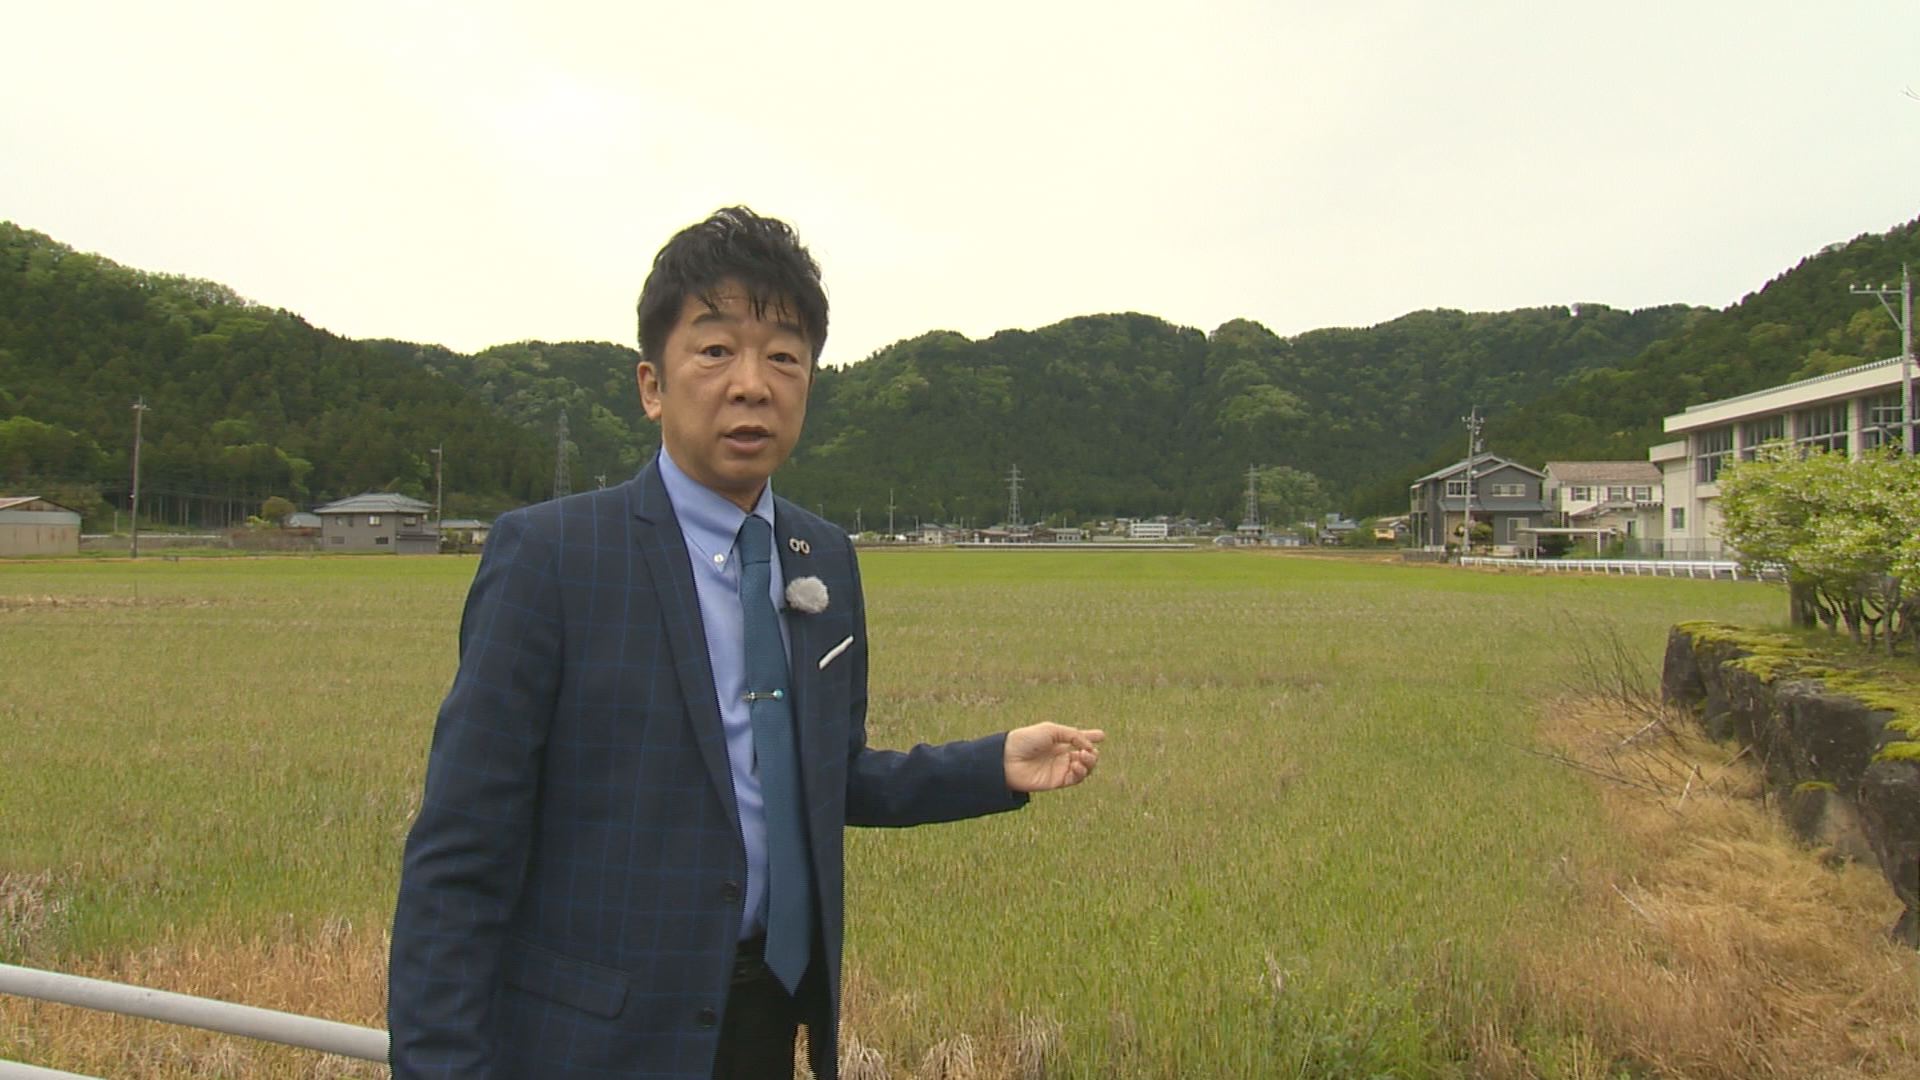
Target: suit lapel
[664,550]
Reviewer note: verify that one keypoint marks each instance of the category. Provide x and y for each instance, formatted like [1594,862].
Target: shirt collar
[708,521]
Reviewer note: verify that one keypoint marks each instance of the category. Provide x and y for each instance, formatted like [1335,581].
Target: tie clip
[771,695]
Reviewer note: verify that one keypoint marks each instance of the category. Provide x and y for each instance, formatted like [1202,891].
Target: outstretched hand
[1047,756]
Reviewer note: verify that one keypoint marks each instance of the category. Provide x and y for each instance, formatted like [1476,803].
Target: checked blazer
[572,886]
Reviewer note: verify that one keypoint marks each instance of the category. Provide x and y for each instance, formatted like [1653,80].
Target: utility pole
[562,475]
[1013,498]
[438,458]
[139,410]
[1904,320]
[1474,424]
[889,513]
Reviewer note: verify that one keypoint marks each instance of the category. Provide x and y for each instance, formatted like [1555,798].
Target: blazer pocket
[590,988]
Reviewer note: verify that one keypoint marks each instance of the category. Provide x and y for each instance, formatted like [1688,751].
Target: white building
[1605,500]
[1846,412]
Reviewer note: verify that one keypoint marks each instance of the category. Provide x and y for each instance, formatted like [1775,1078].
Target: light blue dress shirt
[711,525]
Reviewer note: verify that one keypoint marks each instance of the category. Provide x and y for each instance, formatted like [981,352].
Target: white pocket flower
[807,594]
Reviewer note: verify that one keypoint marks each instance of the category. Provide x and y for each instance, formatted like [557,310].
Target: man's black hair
[761,253]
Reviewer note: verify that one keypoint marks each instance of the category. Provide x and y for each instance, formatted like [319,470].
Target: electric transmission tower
[1253,498]
[1013,498]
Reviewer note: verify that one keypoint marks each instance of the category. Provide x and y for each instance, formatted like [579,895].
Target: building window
[1515,525]
[1881,421]
[1679,517]
[381,539]
[410,521]
[339,539]
[1712,448]
[1823,428]
[1617,494]
[373,519]
[1758,433]
[1642,494]
[1580,494]
[1456,488]
[1509,491]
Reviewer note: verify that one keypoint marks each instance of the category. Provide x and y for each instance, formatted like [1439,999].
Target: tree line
[1116,414]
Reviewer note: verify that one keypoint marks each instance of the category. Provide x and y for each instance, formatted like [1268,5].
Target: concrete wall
[39,539]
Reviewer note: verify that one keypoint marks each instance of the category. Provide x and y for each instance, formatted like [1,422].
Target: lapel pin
[799,546]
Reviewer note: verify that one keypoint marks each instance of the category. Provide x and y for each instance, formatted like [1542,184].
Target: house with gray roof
[379,521]
[1497,491]
[464,533]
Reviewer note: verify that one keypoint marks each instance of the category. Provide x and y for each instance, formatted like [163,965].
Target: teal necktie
[789,891]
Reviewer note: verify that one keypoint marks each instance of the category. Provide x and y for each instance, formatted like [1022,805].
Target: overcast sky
[472,174]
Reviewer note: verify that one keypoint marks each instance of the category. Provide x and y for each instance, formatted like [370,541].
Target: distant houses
[1668,505]
[380,521]
[464,532]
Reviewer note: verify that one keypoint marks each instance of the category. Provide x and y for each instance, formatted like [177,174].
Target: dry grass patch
[1720,947]
[335,971]
[30,908]
[925,1046]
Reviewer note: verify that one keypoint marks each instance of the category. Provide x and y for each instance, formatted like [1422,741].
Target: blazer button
[730,891]
[707,1017]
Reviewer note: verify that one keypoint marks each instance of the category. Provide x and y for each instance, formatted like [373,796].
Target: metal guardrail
[267,1025]
[1692,568]
[13,1070]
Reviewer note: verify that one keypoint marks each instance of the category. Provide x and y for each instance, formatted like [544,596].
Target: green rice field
[1315,840]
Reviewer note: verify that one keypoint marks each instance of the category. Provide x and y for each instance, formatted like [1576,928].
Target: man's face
[734,393]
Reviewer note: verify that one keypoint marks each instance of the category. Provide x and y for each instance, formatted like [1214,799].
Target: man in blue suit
[628,859]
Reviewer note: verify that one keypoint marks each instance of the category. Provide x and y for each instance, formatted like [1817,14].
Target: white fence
[1723,569]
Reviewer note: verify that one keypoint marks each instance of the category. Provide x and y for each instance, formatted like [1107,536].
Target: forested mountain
[1129,414]
[1103,414]
[1803,323]
[244,402]
[533,382]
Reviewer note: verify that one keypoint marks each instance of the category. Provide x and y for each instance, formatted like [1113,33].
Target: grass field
[1317,844]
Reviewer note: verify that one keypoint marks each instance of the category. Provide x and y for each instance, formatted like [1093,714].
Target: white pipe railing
[267,1025]
[13,1070]
[1693,568]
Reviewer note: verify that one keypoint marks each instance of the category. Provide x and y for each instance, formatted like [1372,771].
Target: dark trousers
[757,1033]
